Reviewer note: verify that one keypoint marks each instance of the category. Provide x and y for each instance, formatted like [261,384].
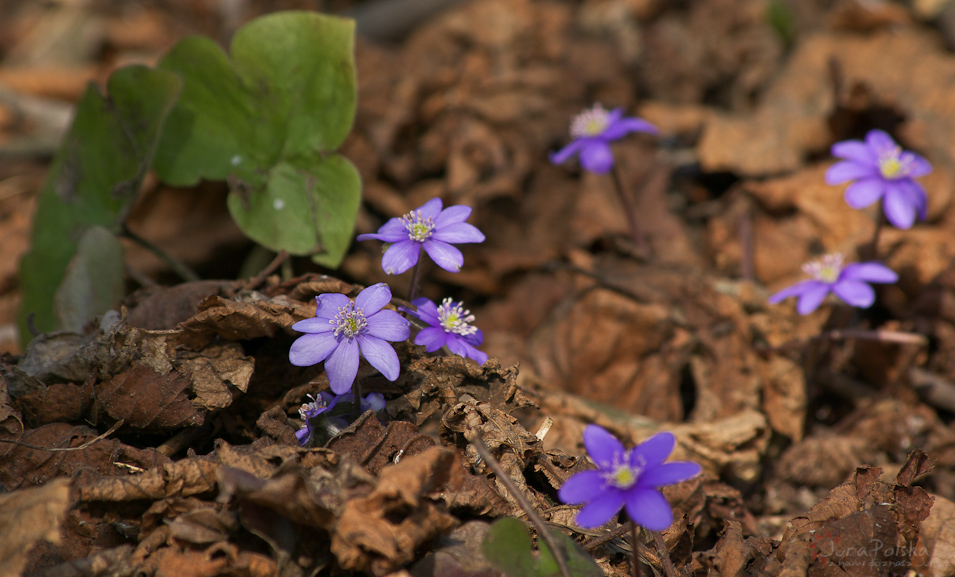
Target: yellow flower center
[590,122]
[827,269]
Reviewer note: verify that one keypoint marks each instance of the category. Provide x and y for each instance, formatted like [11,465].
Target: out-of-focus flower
[849,283]
[626,479]
[326,402]
[430,228]
[451,326]
[342,329]
[593,130]
[879,168]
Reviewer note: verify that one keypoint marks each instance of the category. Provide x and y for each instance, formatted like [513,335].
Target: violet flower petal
[432,338]
[329,303]
[596,156]
[380,355]
[601,508]
[400,257]
[869,271]
[855,293]
[898,209]
[653,451]
[848,170]
[856,151]
[864,191]
[879,140]
[649,509]
[388,325]
[625,126]
[795,290]
[314,325]
[669,473]
[426,311]
[458,233]
[430,209]
[452,215]
[374,298]
[812,296]
[312,348]
[565,153]
[581,487]
[602,447]
[342,366]
[918,166]
[444,255]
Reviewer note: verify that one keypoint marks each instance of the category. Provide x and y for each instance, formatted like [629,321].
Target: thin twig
[668,566]
[109,432]
[179,267]
[592,544]
[258,279]
[885,336]
[542,531]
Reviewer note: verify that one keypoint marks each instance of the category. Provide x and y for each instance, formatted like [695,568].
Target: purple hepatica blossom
[880,169]
[342,328]
[450,325]
[326,402]
[849,283]
[626,479]
[593,130]
[430,228]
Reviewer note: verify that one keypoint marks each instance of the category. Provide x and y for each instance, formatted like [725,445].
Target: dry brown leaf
[380,532]
[28,516]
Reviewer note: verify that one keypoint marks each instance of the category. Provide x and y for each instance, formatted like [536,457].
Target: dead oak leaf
[29,516]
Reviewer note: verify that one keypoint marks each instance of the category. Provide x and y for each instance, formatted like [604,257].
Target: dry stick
[542,532]
[179,267]
[630,211]
[668,566]
[109,432]
[258,279]
[885,336]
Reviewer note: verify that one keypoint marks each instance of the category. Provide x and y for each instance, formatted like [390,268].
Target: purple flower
[326,402]
[881,169]
[428,227]
[450,325]
[849,283]
[593,130]
[626,479]
[342,329]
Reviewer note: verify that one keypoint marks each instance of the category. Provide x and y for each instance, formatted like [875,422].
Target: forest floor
[162,442]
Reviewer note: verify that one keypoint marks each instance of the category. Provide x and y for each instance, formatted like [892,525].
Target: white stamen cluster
[825,269]
[621,474]
[314,405]
[454,318]
[590,122]
[419,229]
[349,321]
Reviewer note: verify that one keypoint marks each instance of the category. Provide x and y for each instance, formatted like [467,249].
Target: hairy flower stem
[630,211]
[542,532]
[415,278]
[635,545]
[873,248]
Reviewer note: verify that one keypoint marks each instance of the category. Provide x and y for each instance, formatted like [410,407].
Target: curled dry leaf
[380,532]
[29,516]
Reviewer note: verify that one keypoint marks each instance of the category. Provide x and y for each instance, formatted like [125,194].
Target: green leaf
[301,208]
[508,548]
[268,121]
[93,282]
[93,180]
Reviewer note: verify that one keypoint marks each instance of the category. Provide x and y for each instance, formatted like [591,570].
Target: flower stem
[630,211]
[415,278]
[635,546]
[873,248]
[179,267]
